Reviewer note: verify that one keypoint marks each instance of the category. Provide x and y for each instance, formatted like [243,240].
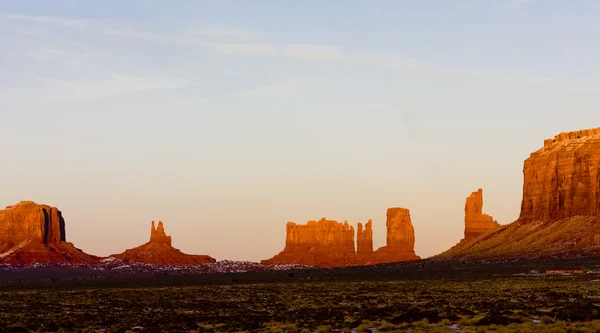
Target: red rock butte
[560,206]
[327,243]
[31,233]
[159,251]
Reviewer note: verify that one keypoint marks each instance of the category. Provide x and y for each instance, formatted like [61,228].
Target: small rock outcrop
[158,251]
[323,243]
[158,235]
[477,223]
[31,233]
[364,239]
[562,179]
[400,244]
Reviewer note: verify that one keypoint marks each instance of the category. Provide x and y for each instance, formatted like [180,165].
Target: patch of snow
[16,248]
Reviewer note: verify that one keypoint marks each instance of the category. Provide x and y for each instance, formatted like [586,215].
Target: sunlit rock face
[31,233]
[160,252]
[477,223]
[562,179]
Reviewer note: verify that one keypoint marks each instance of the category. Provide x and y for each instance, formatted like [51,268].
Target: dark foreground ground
[419,297]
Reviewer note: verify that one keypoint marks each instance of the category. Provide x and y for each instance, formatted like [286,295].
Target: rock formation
[560,206]
[562,179]
[331,244]
[400,244]
[325,243]
[159,251]
[477,223]
[32,233]
[158,235]
[364,239]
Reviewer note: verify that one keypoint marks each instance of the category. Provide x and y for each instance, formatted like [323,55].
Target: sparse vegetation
[331,300]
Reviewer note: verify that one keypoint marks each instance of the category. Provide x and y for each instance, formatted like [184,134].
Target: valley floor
[418,297]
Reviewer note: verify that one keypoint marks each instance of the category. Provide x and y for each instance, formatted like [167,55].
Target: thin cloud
[381,60]
[272,89]
[57,90]
[46,19]
[227,33]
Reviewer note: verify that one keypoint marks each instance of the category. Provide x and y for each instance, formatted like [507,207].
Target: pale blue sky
[226,119]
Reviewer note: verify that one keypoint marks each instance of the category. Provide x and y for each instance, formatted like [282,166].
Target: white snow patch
[16,248]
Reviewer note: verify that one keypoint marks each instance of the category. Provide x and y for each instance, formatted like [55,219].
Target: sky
[226,119]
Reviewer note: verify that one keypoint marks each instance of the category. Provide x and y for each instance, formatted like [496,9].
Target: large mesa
[562,179]
[560,206]
[31,233]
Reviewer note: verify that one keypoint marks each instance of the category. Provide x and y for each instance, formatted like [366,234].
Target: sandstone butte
[560,206]
[32,233]
[477,223]
[159,251]
[328,243]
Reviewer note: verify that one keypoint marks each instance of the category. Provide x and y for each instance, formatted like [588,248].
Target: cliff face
[32,233]
[560,206]
[477,223]
[562,179]
[159,251]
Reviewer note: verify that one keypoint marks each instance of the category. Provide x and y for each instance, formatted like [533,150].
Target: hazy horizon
[227,119]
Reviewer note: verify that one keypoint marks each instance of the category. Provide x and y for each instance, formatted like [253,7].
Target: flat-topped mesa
[32,233]
[323,243]
[477,223]
[400,238]
[158,235]
[562,179]
[364,239]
